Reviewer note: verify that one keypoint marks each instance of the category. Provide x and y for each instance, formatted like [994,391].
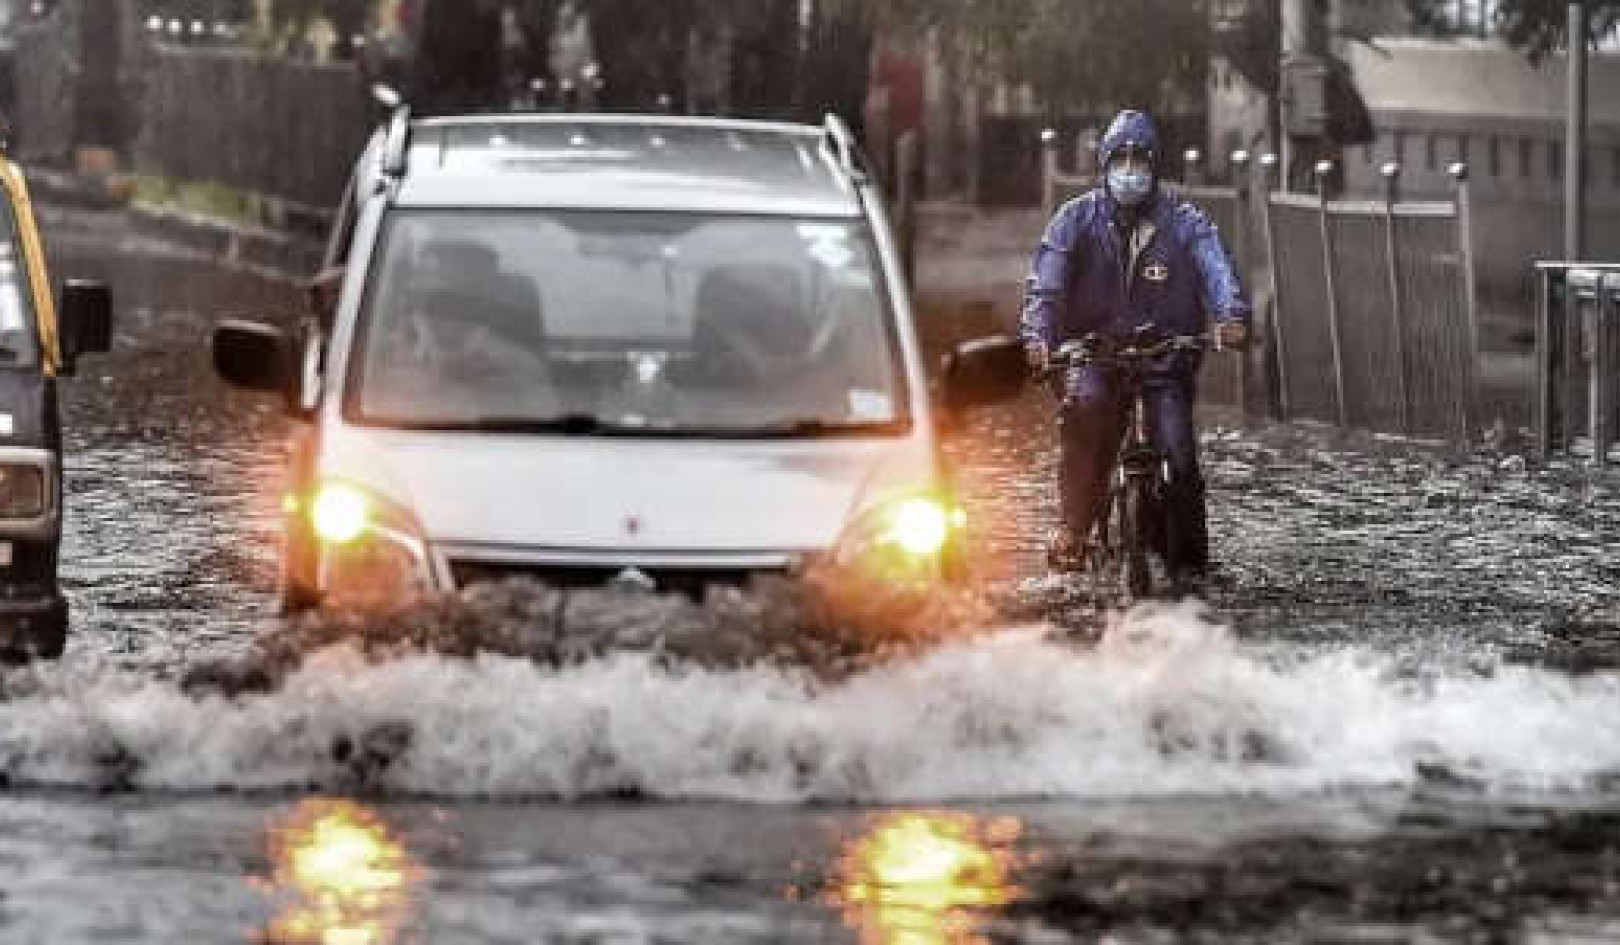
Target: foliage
[1537,26]
[1151,53]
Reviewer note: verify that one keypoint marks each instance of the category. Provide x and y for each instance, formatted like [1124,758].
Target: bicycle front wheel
[1136,537]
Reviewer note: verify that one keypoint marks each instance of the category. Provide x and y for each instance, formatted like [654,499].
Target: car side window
[18,340]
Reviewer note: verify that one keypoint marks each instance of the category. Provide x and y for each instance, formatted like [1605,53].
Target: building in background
[1456,92]
[1447,90]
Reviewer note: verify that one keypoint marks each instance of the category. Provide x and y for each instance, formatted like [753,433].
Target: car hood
[627,495]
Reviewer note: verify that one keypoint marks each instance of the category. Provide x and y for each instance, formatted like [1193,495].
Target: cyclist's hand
[1038,355]
[1231,336]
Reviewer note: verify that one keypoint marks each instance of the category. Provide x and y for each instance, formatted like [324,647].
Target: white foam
[1168,703]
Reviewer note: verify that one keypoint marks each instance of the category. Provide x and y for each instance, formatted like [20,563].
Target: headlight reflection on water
[345,878]
[926,878]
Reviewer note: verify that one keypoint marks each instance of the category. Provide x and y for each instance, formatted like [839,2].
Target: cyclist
[1125,257]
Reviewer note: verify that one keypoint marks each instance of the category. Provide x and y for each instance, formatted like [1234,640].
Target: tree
[458,64]
[538,21]
[1536,26]
[642,48]
[349,18]
[1149,53]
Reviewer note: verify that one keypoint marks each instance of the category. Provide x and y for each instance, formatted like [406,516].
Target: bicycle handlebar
[1097,350]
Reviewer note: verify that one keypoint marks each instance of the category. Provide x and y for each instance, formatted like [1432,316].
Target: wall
[289,130]
[285,130]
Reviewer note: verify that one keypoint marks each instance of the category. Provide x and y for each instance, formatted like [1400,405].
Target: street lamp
[1575,138]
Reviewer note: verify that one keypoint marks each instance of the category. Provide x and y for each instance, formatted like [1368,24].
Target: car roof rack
[397,142]
[841,141]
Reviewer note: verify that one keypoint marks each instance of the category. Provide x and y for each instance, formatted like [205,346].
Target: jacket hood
[1129,127]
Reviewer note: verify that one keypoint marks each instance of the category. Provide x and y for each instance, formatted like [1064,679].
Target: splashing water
[1167,703]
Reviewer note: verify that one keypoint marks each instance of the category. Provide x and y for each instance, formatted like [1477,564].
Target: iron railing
[1377,326]
[1578,357]
[1366,309]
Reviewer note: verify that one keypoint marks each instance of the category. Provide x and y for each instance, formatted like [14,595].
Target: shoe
[1064,552]
[1191,582]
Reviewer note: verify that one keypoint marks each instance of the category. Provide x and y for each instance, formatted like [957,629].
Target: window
[1431,159]
[1527,154]
[1462,148]
[1400,147]
[648,322]
[1555,160]
[1493,157]
[17,338]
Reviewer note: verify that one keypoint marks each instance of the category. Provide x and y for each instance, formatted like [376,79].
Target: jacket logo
[1157,272]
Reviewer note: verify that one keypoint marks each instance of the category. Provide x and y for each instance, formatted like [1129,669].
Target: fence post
[1391,173]
[1604,312]
[1192,167]
[1546,363]
[1278,352]
[1241,239]
[1465,251]
[1049,170]
[1322,170]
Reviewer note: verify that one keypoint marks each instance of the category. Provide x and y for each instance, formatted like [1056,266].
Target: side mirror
[255,356]
[984,371]
[84,322]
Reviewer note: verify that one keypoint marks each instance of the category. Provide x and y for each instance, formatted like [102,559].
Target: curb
[295,256]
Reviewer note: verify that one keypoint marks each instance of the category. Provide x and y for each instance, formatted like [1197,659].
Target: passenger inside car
[770,327]
[469,331]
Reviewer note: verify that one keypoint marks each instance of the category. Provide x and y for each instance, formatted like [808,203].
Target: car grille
[690,581]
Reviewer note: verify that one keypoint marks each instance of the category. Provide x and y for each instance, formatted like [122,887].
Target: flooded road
[1398,720]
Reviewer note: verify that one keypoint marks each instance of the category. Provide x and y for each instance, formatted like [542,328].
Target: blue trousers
[1094,416]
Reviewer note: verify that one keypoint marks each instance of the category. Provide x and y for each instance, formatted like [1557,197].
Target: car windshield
[18,347]
[626,322]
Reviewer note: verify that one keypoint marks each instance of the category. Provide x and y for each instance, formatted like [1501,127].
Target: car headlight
[22,491]
[919,526]
[340,513]
[905,535]
[371,550]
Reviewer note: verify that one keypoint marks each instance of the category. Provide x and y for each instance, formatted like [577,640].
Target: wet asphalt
[1395,721]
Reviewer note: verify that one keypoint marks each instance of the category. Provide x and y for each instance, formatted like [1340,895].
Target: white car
[575,347]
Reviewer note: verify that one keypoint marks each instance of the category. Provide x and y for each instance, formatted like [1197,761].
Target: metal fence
[45,113]
[280,129]
[1366,309]
[1578,358]
[1375,322]
[289,130]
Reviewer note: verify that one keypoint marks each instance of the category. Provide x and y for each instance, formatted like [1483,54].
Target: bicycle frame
[1130,522]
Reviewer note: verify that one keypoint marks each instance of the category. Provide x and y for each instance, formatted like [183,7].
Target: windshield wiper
[818,427]
[567,424]
[583,424]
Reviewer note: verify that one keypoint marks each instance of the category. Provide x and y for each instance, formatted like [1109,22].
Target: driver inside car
[473,332]
[763,326]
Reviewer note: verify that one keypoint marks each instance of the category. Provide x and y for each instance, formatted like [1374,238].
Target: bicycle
[1132,524]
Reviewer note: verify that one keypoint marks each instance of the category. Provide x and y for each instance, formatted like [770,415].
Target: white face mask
[1130,185]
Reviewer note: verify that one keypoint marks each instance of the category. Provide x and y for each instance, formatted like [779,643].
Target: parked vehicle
[578,347]
[39,342]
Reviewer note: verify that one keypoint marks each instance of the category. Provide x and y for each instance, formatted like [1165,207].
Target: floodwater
[1397,720]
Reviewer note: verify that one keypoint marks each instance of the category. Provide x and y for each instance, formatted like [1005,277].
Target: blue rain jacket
[1083,281]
